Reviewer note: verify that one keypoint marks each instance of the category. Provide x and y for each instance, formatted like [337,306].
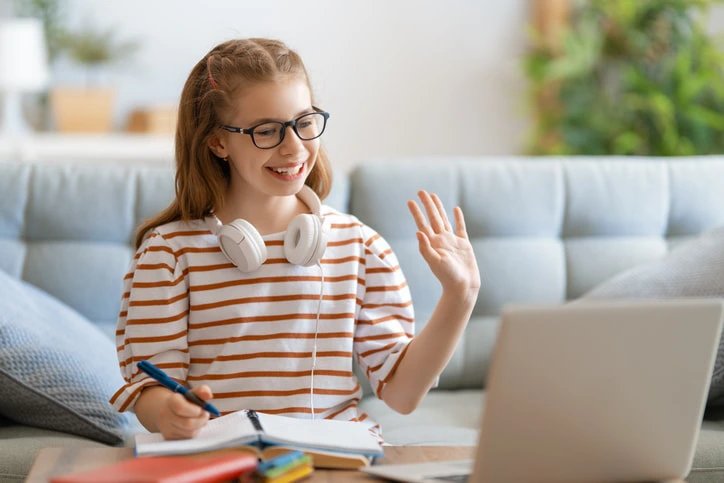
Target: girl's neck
[268,214]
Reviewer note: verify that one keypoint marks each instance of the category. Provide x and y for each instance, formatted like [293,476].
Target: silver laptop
[590,392]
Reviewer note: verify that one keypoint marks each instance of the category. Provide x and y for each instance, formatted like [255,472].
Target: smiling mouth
[288,171]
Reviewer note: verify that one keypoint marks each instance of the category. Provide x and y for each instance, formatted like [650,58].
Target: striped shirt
[250,336]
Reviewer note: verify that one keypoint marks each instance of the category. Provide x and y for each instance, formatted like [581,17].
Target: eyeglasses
[269,135]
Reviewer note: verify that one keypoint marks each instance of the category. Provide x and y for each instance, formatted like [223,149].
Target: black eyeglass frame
[285,125]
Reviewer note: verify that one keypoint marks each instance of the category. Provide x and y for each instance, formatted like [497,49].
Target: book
[276,471]
[330,443]
[289,467]
[298,473]
[321,458]
[167,469]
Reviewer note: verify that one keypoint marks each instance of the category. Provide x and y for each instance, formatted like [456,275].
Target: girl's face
[279,171]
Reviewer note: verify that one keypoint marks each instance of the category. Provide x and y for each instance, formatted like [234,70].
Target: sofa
[545,230]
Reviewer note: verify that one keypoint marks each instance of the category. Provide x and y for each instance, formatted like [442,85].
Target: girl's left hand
[448,253]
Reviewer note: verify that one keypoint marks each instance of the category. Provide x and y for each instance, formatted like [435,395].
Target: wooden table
[59,461]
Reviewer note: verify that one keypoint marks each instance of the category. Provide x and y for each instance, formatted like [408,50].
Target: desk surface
[58,461]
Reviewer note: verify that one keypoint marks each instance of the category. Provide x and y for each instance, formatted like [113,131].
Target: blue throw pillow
[57,370]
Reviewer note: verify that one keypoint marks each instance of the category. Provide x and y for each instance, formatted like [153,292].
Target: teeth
[288,171]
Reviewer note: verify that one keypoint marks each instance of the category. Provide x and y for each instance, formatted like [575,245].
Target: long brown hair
[201,176]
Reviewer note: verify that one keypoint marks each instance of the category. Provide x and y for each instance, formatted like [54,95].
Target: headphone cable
[316,331]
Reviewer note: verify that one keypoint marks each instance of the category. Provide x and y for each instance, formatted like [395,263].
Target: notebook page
[229,430]
[341,436]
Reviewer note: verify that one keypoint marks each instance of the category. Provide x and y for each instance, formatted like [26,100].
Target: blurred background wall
[400,77]
[403,77]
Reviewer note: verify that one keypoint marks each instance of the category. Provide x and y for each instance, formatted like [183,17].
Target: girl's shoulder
[177,234]
[336,220]
[346,224]
[190,228]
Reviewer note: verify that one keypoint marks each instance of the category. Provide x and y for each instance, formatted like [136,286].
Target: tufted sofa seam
[668,191]
[22,234]
[136,221]
[561,228]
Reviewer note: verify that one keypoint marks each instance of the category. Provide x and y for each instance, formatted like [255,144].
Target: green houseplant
[89,108]
[94,49]
[629,77]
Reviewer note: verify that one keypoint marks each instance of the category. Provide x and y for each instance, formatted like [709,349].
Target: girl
[251,292]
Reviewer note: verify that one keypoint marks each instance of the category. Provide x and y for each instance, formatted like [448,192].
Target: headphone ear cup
[305,240]
[242,245]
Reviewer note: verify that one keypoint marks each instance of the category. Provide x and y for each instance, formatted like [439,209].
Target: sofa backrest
[69,228]
[545,230]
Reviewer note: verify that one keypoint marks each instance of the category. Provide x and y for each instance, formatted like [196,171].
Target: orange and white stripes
[250,336]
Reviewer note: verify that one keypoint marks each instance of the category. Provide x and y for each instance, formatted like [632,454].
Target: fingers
[204,392]
[432,211]
[189,427]
[441,211]
[435,213]
[183,419]
[460,229]
[426,250]
[419,218]
[183,408]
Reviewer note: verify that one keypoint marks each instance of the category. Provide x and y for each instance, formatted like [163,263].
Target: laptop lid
[597,391]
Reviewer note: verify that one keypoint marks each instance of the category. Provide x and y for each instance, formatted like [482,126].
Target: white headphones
[304,241]
[304,244]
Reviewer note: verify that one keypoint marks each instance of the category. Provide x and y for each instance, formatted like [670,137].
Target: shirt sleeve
[153,321]
[385,322]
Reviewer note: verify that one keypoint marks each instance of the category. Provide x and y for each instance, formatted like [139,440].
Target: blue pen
[169,383]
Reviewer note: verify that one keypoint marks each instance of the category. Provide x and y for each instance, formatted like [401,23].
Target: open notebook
[332,444]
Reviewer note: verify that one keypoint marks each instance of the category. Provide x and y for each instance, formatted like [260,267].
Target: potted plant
[628,77]
[89,108]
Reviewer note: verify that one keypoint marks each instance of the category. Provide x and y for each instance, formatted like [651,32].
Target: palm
[448,252]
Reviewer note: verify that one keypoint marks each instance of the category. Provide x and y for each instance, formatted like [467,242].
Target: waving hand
[448,252]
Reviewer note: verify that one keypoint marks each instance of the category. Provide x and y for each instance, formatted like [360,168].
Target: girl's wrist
[464,296]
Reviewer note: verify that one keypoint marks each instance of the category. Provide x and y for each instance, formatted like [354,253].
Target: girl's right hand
[182,419]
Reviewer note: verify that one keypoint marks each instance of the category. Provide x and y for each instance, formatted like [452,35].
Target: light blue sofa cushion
[68,228]
[57,370]
[604,199]
[692,269]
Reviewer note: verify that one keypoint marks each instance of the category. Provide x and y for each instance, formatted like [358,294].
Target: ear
[217,146]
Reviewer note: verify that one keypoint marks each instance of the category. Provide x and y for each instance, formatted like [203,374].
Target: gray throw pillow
[693,269]
[57,370]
